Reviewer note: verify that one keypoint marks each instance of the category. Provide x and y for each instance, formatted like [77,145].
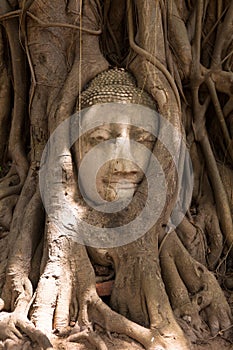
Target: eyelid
[104,134]
[149,137]
[145,136]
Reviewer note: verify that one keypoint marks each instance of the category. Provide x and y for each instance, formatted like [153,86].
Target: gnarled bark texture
[167,285]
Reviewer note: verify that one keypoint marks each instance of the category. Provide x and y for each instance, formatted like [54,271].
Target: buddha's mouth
[122,184]
[126,186]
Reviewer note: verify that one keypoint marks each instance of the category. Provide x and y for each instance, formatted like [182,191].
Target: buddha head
[110,103]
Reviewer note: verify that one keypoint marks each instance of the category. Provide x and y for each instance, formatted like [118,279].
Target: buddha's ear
[75,152]
[154,147]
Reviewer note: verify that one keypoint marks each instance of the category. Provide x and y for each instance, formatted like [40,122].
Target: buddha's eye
[144,137]
[99,136]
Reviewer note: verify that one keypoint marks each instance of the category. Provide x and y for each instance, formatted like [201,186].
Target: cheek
[103,179]
[141,160]
[81,150]
[104,172]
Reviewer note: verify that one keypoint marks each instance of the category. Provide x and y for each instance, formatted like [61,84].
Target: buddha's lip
[122,184]
[128,180]
[126,186]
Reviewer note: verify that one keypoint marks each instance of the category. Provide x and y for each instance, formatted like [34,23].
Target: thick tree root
[16,331]
[89,335]
[140,297]
[66,290]
[111,321]
[193,289]
[51,311]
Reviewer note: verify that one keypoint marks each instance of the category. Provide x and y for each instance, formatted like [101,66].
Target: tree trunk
[163,291]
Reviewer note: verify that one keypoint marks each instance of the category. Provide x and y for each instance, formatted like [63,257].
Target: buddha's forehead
[119,114]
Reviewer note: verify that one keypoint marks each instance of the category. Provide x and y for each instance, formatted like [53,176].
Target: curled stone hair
[115,85]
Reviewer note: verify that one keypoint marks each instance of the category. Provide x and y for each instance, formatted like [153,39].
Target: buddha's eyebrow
[100,128]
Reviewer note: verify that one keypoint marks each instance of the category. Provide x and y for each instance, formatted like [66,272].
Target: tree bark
[163,293]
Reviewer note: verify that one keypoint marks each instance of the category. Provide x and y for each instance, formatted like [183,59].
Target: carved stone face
[118,177]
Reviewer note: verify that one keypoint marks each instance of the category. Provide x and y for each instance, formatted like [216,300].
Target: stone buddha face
[118,174]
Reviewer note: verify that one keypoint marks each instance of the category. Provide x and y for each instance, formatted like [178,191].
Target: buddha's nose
[123,147]
[125,167]
[124,161]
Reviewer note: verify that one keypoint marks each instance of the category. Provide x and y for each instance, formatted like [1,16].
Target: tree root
[66,291]
[192,237]
[111,321]
[202,236]
[7,206]
[5,98]
[89,335]
[16,141]
[10,187]
[13,326]
[149,56]
[207,220]
[50,310]
[193,289]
